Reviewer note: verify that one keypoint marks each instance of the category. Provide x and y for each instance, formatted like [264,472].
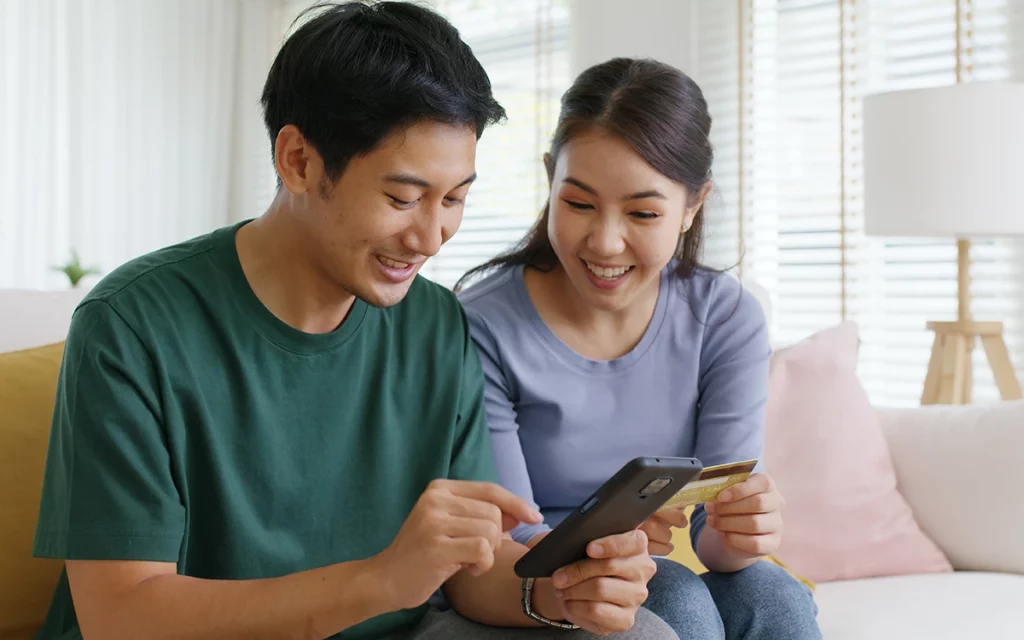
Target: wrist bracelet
[530,613]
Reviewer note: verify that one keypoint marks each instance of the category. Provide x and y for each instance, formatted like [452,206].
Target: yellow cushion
[685,555]
[28,382]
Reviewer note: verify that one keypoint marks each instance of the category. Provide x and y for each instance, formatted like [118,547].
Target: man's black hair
[356,72]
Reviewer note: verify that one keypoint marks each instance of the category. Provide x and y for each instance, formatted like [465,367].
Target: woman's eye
[453,201]
[645,215]
[578,205]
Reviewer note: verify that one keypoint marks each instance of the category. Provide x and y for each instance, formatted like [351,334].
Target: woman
[602,339]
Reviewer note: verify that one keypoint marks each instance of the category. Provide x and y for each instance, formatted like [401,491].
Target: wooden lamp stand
[949,379]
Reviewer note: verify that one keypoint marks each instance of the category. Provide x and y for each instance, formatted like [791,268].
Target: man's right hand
[454,525]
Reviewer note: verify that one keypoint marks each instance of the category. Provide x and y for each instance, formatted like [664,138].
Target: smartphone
[622,504]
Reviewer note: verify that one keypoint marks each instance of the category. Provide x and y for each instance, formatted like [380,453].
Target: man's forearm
[495,598]
[714,555]
[310,605]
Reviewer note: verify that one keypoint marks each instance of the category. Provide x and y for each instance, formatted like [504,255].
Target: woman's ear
[695,205]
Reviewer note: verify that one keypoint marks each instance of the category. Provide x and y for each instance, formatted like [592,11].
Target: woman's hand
[659,530]
[748,516]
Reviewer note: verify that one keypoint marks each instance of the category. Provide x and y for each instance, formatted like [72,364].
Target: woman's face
[614,221]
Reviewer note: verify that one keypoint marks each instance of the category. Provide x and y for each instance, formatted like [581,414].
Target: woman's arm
[503,423]
[731,401]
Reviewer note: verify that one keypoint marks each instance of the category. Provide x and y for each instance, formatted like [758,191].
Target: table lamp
[949,162]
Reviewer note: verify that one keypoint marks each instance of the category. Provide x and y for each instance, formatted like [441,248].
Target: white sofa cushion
[33,318]
[959,469]
[953,605]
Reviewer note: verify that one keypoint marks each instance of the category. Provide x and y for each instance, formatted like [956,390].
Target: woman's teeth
[394,264]
[608,273]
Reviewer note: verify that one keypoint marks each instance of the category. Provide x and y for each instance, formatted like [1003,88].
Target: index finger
[511,505]
[755,484]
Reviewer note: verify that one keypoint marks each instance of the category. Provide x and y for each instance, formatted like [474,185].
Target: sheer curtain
[127,125]
[133,124]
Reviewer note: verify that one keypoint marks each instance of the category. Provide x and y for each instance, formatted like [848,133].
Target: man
[277,430]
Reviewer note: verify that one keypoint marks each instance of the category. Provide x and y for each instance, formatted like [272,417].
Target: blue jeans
[761,602]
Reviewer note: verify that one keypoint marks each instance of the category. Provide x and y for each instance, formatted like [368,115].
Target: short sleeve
[473,457]
[108,488]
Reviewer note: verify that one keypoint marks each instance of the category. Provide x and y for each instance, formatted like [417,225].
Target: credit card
[711,482]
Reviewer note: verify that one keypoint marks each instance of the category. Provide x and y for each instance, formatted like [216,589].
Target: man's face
[390,210]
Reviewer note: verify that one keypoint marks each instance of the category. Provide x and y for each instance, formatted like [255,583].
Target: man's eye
[450,200]
[578,205]
[402,203]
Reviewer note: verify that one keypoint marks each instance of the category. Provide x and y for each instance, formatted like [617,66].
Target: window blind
[524,48]
[787,108]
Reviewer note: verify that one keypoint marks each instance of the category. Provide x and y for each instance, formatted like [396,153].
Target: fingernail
[597,550]
[559,593]
[558,579]
[537,517]
[709,507]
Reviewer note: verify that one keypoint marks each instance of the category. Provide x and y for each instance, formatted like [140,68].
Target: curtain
[785,81]
[124,122]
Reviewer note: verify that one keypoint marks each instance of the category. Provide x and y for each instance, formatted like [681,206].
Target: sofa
[957,467]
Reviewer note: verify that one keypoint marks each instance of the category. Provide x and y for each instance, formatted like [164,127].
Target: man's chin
[384,296]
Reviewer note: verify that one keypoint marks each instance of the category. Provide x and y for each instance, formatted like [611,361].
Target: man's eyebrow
[408,178]
[639,195]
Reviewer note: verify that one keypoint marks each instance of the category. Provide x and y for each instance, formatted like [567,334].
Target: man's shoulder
[428,300]
[155,270]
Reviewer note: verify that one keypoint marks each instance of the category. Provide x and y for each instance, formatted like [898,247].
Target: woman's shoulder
[495,291]
[719,297]
[496,303]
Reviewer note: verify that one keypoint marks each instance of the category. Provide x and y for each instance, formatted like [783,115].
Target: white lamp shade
[945,162]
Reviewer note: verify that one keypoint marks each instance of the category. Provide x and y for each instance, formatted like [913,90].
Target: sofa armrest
[959,469]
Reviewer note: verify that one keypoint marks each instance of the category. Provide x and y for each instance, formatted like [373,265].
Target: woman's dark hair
[353,73]
[656,109]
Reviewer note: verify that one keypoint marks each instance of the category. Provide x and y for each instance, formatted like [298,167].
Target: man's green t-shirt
[193,426]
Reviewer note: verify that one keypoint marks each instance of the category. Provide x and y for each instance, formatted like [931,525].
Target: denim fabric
[448,625]
[761,602]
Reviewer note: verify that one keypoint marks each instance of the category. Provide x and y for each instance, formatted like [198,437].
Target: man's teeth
[394,264]
[607,272]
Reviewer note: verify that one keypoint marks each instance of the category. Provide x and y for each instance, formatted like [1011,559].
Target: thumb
[508,523]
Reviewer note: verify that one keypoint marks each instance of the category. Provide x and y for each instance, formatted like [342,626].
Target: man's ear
[294,158]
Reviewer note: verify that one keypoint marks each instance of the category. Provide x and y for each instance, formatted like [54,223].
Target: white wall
[661,29]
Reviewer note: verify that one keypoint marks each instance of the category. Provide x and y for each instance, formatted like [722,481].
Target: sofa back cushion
[28,381]
[35,318]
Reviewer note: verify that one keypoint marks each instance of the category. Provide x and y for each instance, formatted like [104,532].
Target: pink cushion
[826,451]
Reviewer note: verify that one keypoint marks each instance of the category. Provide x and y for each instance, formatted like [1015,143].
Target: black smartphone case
[617,507]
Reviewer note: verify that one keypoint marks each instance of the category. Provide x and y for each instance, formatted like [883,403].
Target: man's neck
[283,273]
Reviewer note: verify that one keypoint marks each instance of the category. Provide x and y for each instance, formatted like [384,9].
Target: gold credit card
[711,482]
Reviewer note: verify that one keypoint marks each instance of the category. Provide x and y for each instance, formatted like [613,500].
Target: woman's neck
[593,333]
